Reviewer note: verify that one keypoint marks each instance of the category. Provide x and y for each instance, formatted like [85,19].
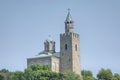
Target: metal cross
[68,9]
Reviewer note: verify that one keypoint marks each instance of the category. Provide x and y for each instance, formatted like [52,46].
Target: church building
[68,59]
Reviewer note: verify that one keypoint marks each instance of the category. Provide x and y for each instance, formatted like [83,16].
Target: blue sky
[26,24]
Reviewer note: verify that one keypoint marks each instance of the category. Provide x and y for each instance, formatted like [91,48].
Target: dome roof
[49,39]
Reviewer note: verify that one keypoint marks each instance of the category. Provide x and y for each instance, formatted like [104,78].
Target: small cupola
[69,23]
[49,45]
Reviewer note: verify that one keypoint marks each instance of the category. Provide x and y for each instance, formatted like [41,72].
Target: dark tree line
[43,72]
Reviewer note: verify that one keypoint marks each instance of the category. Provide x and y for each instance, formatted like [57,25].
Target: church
[68,59]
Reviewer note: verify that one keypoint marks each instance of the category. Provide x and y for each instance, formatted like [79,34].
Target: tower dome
[49,45]
[49,39]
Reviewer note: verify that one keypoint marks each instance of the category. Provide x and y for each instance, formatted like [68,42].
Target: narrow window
[65,46]
[76,47]
[62,54]
[69,60]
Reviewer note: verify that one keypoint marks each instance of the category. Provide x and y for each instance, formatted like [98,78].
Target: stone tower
[70,48]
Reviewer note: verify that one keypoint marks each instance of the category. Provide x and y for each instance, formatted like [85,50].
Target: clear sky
[25,24]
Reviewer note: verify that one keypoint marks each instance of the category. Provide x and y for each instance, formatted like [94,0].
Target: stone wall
[52,61]
[55,64]
[70,57]
[39,60]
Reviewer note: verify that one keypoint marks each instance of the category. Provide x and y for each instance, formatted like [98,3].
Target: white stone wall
[52,61]
[43,61]
[55,64]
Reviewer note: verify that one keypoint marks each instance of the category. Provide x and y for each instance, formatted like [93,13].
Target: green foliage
[71,76]
[1,77]
[28,73]
[88,78]
[105,74]
[116,76]
[4,71]
[43,72]
[11,75]
[87,75]
[4,74]
[39,67]
[40,72]
[18,75]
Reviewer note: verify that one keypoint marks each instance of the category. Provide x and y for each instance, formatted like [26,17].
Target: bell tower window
[65,46]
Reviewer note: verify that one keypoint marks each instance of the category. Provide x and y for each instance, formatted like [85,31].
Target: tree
[18,75]
[11,75]
[37,67]
[28,73]
[4,71]
[1,77]
[87,75]
[116,76]
[5,74]
[71,76]
[104,74]
[88,78]
[43,72]
[40,72]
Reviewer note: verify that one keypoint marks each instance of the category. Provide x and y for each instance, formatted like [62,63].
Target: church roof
[42,55]
[46,54]
[57,54]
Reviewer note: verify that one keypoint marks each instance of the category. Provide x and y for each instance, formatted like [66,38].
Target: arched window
[65,46]
[76,47]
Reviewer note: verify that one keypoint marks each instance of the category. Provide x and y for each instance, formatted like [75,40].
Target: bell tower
[68,23]
[70,48]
